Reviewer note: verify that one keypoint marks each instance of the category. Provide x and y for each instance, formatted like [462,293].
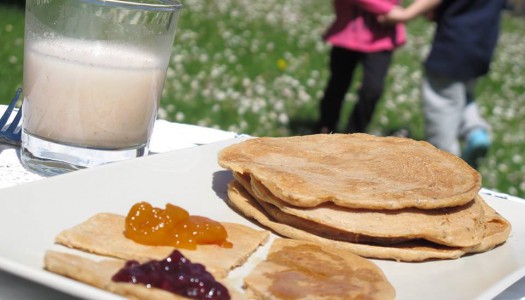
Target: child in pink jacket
[356,38]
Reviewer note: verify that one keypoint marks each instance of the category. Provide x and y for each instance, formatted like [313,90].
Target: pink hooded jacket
[356,27]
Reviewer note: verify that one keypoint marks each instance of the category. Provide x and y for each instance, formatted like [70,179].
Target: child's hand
[396,15]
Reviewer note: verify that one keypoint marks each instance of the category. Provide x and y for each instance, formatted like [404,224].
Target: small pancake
[99,273]
[459,226]
[103,234]
[305,270]
[355,171]
[496,232]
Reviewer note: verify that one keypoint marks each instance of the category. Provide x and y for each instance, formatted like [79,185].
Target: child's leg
[342,65]
[471,116]
[444,101]
[375,69]
[474,130]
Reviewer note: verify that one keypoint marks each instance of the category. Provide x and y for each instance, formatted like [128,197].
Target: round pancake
[304,270]
[355,170]
[497,230]
[458,226]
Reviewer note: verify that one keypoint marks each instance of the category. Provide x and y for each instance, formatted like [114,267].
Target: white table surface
[166,137]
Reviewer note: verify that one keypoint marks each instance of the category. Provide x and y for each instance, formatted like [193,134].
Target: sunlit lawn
[259,67]
[11,50]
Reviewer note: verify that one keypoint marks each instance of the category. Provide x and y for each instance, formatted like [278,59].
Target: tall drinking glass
[94,72]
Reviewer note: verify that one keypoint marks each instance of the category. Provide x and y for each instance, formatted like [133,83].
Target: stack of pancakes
[380,197]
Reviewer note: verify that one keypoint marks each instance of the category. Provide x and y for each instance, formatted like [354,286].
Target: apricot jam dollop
[175,274]
[172,226]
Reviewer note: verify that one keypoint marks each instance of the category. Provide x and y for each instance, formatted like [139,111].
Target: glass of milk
[94,72]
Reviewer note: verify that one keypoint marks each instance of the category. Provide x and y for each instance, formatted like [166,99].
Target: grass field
[259,67]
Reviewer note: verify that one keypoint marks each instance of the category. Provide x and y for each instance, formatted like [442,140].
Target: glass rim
[166,5]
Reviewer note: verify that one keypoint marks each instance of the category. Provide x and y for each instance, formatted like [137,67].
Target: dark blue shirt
[465,38]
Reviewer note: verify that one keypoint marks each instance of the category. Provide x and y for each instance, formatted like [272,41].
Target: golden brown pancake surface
[103,234]
[98,273]
[354,170]
[458,226]
[497,230]
[305,270]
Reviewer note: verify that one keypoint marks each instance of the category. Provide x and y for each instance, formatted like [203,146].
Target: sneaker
[476,147]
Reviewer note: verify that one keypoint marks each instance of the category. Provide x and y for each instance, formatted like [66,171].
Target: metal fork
[11,133]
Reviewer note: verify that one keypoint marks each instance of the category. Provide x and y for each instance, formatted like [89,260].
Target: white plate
[31,215]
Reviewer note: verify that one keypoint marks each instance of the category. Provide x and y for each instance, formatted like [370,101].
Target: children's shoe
[476,147]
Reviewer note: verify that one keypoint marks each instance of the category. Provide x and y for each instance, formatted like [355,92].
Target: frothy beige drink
[103,96]
[93,76]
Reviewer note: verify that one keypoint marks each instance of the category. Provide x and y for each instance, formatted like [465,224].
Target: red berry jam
[175,274]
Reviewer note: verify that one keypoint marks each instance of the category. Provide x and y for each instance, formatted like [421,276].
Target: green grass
[259,67]
[11,50]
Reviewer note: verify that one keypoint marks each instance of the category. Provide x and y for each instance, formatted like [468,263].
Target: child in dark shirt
[462,49]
